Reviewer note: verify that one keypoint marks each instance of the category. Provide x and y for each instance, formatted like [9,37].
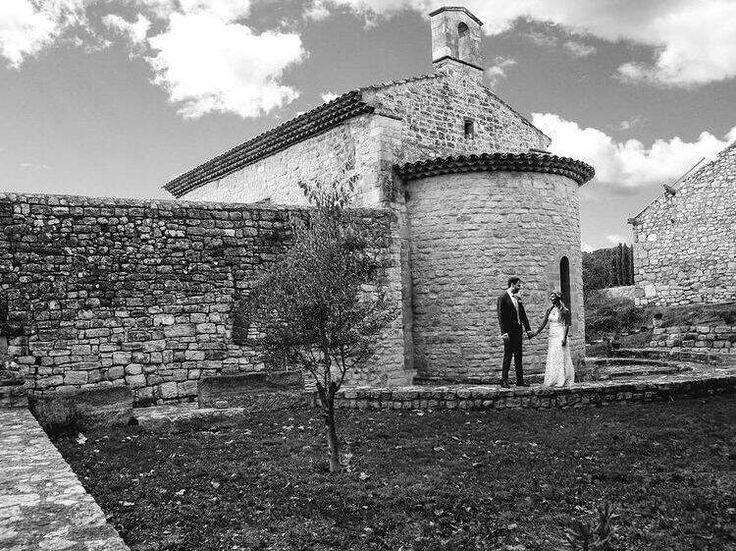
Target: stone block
[86,408]
[169,390]
[180,330]
[256,391]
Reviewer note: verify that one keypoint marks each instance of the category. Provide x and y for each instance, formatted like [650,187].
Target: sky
[116,97]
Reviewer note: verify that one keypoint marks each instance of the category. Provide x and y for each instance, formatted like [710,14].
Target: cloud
[629,164]
[317,11]
[329,96]
[541,39]
[632,122]
[208,64]
[617,238]
[28,27]
[586,247]
[578,49]
[134,32]
[497,71]
[693,41]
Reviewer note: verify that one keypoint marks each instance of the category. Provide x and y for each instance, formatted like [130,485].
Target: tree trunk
[332,443]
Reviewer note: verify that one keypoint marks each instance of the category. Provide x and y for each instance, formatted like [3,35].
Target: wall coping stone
[167,204]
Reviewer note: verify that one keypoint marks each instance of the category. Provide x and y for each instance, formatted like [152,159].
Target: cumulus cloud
[497,71]
[578,49]
[693,41]
[628,164]
[209,64]
[27,27]
[134,32]
[586,247]
[329,96]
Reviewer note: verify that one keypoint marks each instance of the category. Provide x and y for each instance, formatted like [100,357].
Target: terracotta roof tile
[514,162]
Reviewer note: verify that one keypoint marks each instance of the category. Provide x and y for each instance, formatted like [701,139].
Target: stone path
[43,506]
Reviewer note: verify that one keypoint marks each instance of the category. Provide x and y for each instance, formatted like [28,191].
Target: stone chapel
[476,196]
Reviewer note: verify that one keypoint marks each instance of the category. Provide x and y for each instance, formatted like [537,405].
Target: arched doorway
[565,282]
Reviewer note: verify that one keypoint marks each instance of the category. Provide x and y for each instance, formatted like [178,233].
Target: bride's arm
[544,323]
[568,323]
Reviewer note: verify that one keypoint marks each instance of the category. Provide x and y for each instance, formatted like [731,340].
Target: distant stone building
[685,240]
[476,198]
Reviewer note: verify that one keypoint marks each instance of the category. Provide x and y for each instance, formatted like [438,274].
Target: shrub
[605,315]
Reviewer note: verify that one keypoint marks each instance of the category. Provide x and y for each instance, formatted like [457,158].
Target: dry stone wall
[140,293]
[469,233]
[718,337]
[685,244]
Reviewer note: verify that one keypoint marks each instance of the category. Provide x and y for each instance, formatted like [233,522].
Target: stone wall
[413,119]
[684,244]
[139,293]
[432,114]
[347,149]
[467,397]
[469,233]
[719,337]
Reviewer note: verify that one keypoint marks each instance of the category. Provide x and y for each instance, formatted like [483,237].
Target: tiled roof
[514,162]
[313,122]
[321,118]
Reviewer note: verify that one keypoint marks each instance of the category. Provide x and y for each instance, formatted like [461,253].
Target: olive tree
[320,307]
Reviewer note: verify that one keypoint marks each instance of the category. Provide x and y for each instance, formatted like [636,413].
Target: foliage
[606,315]
[422,480]
[320,308]
[583,536]
[612,267]
[699,314]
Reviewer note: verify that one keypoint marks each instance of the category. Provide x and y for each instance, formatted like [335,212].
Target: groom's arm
[524,319]
[499,310]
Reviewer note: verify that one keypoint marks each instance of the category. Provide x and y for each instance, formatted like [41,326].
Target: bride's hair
[563,309]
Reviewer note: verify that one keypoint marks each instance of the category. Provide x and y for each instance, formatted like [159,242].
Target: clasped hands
[529,335]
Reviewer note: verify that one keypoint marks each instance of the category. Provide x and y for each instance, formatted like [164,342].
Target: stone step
[678,354]
[13,397]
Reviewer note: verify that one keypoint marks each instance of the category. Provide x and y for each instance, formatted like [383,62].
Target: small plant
[582,536]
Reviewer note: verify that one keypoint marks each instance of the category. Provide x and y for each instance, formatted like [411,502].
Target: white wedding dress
[559,370]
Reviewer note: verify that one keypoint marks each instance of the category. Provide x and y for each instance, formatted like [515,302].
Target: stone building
[476,197]
[141,294]
[685,240]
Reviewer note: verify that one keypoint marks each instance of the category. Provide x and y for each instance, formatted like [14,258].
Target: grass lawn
[423,480]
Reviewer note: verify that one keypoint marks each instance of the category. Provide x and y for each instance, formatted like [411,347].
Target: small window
[469,126]
[462,30]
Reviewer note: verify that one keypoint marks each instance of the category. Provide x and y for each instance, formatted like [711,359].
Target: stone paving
[43,506]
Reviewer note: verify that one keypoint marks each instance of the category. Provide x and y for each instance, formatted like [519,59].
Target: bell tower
[456,40]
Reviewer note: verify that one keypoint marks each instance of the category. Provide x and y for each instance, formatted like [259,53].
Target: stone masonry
[140,293]
[719,337]
[469,233]
[685,240]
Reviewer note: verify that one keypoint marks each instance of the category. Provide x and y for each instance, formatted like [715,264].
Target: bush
[698,314]
[605,315]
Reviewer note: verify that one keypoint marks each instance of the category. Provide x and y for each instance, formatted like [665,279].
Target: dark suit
[509,323]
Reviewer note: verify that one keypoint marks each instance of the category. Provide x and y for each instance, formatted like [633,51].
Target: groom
[511,317]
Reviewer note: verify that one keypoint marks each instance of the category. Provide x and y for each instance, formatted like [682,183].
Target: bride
[559,370]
